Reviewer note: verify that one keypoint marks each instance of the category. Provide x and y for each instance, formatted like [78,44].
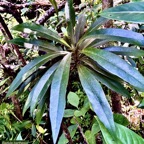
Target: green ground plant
[81,51]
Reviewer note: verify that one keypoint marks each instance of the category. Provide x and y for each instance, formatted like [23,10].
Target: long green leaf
[114,85]
[80,25]
[70,13]
[30,79]
[39,90]
[97,97]
[28,43]
[54,3]
[31,68]
[42,86]
[116,66]
[130,12]
[70,18]
[113,34]
[40,31]
[57,95]
[124,135]
[128,51]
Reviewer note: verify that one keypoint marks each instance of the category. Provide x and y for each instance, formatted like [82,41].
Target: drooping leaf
[39,89]
[69,113]
[113,85]
[40,31]
[116,66]
[130,12]
[30,68]
[97,68]
[112,34]
[96,97]
[128,51]
[28,43]
[57,95]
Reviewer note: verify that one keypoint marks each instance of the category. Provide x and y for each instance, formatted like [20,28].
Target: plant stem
[66,132]
[15,47]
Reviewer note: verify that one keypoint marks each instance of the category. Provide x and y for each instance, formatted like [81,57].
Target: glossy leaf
[39,89]
[24,86]
[40,31]
[116,66]
[30,68]
[130,12]
[113,85]
[96,97]
[112,34]
[120,119]
[57,95]
[128,51]
[127,136]
[124,135]
[80,25]
[70,18]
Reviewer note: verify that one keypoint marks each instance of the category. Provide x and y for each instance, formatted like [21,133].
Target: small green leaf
[69,113]
[33,130]
[73,99]
[40,129]
[120,119]
[117,66]
[57,95]
[96,97]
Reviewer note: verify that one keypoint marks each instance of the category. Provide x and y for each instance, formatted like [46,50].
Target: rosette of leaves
[81,51]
